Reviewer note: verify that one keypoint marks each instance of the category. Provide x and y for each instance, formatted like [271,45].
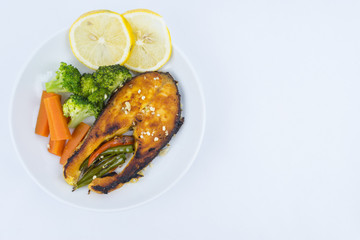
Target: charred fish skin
[114,119]
[155,126]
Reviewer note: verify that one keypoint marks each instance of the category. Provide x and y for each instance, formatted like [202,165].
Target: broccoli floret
[67,79]
[78,108]
[112,77]
[88,84]
[99,97]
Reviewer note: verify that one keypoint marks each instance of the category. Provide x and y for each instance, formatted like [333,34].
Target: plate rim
[172,184]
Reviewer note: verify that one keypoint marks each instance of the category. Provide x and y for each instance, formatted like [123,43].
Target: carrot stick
[77,136]
[56,147]
[57,122]
[42,125]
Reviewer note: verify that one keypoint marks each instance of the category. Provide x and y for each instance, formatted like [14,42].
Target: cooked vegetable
[118,150]
[88,84]
[42,125]
[78,108]
[57,122]
[56,147]
[87,173]
[108,164]
[84,166]
[110,152]
[99,97]
[112,77]
[99,86]
[67,79]
[117,141]
[76,137]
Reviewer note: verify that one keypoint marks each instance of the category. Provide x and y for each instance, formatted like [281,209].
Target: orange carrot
[57,122]
[77,136]
[56,147]
[42,125]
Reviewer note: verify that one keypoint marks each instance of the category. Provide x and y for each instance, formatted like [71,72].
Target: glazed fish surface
[150,104]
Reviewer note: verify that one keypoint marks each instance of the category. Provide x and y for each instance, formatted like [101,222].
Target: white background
[280,157]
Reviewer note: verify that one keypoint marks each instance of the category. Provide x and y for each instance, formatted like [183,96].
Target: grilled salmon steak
[150,103]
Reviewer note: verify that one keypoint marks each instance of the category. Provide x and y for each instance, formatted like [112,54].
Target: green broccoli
[67,79]
[88,84]
[79,108]
[112,77]
[99,97]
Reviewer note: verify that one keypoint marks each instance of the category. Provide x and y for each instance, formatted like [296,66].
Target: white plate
[44,167]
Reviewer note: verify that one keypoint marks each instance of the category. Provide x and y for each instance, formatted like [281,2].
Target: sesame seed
[164,128]
[148,133]
[158,115]
[139,91]
[166,133]
[153,113]
[144,77]
[152,109]
[143,97]
[141,136]
[156,139]
[48,146]
[130,86]
[94,176]
[126,112]
[127,106]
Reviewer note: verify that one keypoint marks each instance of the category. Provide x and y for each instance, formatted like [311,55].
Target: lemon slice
[100,38]
[152,47]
